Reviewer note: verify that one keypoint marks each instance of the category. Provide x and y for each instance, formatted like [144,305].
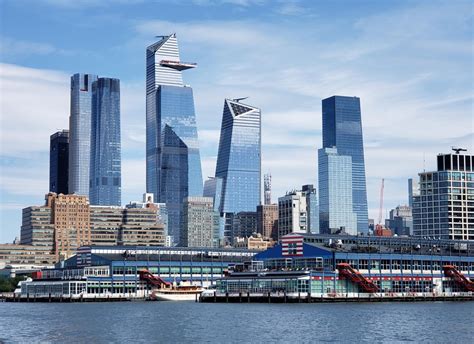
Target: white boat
[176,294]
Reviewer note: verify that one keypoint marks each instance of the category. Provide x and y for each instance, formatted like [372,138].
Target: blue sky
[410,62]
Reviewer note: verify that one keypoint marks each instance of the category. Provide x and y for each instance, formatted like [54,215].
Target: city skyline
[406,114]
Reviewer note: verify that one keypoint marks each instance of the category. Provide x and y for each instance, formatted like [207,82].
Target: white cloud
[411,67]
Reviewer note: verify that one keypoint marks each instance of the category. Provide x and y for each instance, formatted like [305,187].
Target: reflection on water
[430,322]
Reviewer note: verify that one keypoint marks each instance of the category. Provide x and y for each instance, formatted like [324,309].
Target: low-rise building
[256,242]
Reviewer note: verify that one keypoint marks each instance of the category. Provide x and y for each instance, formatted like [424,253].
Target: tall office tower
[445,207]
[336,211]
[173,163]
[59,162]
[71,217]
[342,128]
[37,228]
[400,221]
[239,161]
[413,190]
[80,133]
[200,222]
[105,161]
[267,189]
[267,220]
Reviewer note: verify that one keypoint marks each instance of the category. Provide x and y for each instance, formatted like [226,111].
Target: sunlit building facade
[239,161]
[445,207]
[173,163]
[342,128]
[105,162]
[336,214]
[80,133]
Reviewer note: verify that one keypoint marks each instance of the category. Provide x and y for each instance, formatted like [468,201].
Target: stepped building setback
[173,162]
[342,128]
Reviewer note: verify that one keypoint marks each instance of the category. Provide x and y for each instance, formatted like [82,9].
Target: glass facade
[239,159]
[59,162]
[445,207]
[335,192]
[105,165]
[342,128]
[173,170]
[80,133]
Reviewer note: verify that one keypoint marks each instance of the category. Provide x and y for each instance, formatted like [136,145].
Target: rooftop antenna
[458,149]
[424,170]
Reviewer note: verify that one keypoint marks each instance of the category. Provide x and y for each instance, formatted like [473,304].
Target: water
[189,322]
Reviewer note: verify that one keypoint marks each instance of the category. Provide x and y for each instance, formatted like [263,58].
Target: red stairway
[348,272]
[459,278]
[147,276]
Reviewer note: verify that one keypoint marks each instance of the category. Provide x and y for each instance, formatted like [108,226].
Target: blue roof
[309,251]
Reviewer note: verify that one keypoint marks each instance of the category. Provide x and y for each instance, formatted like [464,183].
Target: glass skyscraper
[239,160]
[59,162]
[342,128]
[335,192]
[173,163]
[80,133]
[105,164]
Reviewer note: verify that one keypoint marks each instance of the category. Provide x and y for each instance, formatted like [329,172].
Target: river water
[189,322]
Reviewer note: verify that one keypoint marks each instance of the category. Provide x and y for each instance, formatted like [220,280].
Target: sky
[410,62]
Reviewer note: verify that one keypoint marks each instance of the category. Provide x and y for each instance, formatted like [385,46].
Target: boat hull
[159,296]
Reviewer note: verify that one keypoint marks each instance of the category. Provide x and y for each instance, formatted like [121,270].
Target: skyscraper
[80,133]
[336,211]
[173,163]
[59,162]
[342,128]
[239,160]
[105,162]
[444,207]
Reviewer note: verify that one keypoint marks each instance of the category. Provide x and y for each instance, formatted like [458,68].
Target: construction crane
[380,229]
[457,149]
[381,203]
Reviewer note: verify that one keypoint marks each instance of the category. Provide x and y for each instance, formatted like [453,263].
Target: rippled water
[430,322]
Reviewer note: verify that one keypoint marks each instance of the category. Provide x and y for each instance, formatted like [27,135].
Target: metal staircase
[348,272]
[459,278]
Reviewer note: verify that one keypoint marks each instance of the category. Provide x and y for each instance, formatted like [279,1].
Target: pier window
[385,264]
[395,264]
[374,264]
